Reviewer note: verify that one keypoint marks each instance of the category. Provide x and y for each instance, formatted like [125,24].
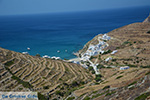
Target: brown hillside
[131,41]
[19,72]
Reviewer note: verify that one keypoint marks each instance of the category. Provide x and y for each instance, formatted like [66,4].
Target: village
[94,50]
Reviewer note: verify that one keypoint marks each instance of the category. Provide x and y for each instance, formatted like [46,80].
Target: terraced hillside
[132,43]
[115,83]
[137,90]
[52,78]
[132,46]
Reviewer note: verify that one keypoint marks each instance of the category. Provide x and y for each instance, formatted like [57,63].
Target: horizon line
[44,13]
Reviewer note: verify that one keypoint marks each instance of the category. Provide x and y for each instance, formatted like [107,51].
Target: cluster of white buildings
[96,49]
[53,57]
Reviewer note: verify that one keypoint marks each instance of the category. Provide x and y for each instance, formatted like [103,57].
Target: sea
[61,34]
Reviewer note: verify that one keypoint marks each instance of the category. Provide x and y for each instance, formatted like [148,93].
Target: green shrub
[90,68]
[147,73]
[38,55]
[92,57]
[9,63]
[99,57]
[121,72]
[25,84]
[108,51]
[8,70]
[95,92]
[145,66]
[119,77]
[110,93]
[114,60]
[131,65]
[74,84]
[100,66]
[98,77]
[126,42]
[132,83]
[20,88]
[143,96]
[97,95]
[71,98]
[59,93]
[117,47]
[41,97]
[45,87]
[148,31]
[86,98]
[93,72]
[106,87]
[108,67]
[130,44]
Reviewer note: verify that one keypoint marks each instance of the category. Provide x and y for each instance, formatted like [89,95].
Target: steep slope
[52,78]
[132,46]
[137,90]
[132,43]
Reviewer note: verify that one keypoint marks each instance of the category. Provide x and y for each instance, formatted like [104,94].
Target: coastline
[46,38]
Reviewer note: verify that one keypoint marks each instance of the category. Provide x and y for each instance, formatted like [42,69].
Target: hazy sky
[13,7]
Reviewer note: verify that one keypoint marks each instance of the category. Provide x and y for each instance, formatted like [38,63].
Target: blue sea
[45,34]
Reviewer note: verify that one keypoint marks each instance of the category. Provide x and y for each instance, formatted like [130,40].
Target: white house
[25,53]
[113,52]
[46,56]
[124,68]
[57,58]
[91,47]
[102,52]
[85,58]
[106,37]
[109,58]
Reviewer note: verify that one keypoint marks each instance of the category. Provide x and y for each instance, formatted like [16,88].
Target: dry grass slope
[19,72]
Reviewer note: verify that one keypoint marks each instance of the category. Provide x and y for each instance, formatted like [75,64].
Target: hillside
[98,74]
[125,46]
[51,78]
[118,85]
[132,43]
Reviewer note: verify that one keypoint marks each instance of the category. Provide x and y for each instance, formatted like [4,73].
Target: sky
[19,7]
